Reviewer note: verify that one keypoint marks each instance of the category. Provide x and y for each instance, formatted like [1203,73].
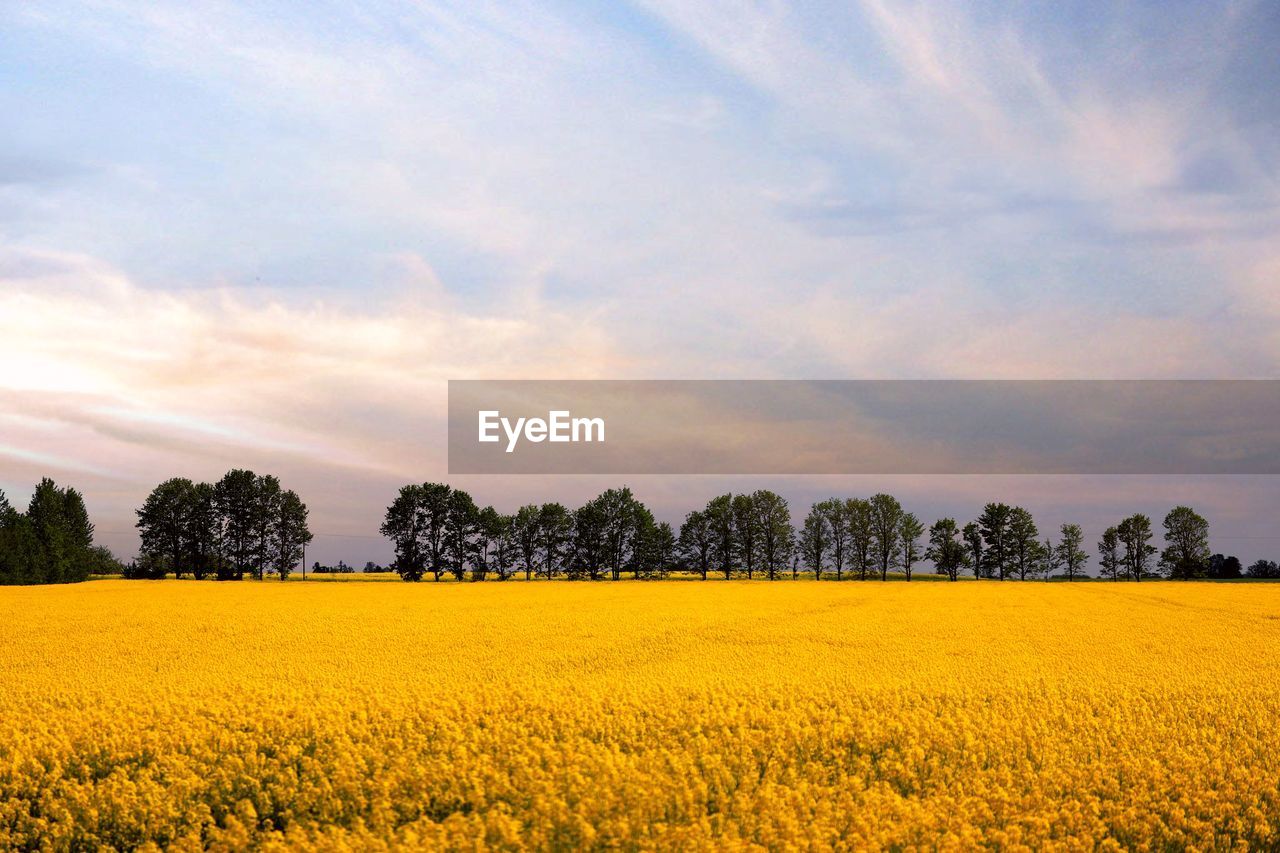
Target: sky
[265,235]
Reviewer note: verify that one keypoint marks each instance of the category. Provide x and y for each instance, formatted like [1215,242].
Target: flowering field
[640,715]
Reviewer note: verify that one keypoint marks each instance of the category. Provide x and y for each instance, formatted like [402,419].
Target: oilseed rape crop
[664,715]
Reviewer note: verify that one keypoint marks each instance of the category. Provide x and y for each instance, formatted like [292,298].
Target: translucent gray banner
[864,426]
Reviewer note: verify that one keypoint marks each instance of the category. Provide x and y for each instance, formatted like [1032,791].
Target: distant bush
[1224,568]
[103,562]
[148,567]
[1266,569]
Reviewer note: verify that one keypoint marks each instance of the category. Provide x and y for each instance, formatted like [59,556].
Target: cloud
[124,385]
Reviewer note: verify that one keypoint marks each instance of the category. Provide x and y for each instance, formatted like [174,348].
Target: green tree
[775,535]
[52,542]
[861,535]
[1221,567]
[489,530]
[946,550]
[719,514]
[526,535]
[179,527]
[1069,553]
[909,532]
[624,516]
[697,542]
[201,531]
[1186,551]
[836,514]
[976,546]
[461,523]
[103,562]
[815,539]
[1264,569]
[1023,539]
[994,523]
[1135,536]
[289,534]
[76,519]
[886,522]
[403,525]
[555,535]
[503,552]
[655,549]
[482,546]
[746,532]
[20,556]
[436,506]
[266,517]
[53,556]
[1109,559]
[1047,559]
[164,526]
[63,534]
[236,499]
[589,547]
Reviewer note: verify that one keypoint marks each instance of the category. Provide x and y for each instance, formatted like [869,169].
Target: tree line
[244,524]
[52,542]
[247,524]
[440,531]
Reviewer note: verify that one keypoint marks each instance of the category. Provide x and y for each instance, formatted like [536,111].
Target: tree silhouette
[1023,541]
[1110,562]
[1135,536]
[994,523]
[946,550]
[697,542]
[886,521]
[746,529]
[290,534]
[815,539]
[236,499]
[1225,568]
[403,525]
[776,536]
[526,533]
[1186,552]
[836,514]
[462,517]
[1069,553]
[861,535]
[719,514]
[909,532]
[977,549]
[555,536]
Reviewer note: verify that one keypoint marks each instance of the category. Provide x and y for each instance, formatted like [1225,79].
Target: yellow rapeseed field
[640,715]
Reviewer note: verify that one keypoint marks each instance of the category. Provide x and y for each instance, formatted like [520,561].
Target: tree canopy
[52,542]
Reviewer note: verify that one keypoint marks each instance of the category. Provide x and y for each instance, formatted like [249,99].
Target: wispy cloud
[141,375]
